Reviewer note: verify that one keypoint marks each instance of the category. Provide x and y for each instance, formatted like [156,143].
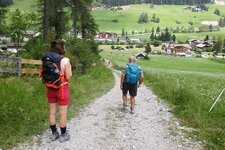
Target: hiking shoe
[54,136]
[132,111]
[64,137]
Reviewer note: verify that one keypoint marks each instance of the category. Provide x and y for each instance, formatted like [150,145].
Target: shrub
[156,43]
[34,49]
[86,52]
[139,46]
[115,20]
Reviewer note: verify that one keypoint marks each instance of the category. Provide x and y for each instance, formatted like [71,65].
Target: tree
[153,30]
[83,21]
[210,28]
[217,11]
[3,13]
[19,23]
[46,22]
[123,32]
[174,38]
[158,29]
[143,18]
[217,48]
[148,48]
[152,37]
[206,38]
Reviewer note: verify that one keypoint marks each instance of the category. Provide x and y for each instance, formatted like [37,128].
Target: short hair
[132,59]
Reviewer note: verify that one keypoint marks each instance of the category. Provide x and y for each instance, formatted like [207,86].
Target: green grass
[24,108]
[168,15]
[25,5]
[189,86]
[166,63]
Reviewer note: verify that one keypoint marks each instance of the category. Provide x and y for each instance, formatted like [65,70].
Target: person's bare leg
[62,122]
[124,102]
[52,121]
[52,113]
[132,103]
[63,116]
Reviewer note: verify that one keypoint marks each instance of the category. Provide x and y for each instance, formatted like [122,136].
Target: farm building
[176,48]
[140,55]
[106,36]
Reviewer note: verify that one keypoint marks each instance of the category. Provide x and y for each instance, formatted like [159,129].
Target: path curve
[103,126]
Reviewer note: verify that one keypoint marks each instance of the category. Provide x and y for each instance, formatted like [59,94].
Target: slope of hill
[25,5]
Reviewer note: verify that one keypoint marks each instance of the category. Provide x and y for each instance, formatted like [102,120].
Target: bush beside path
[102,125]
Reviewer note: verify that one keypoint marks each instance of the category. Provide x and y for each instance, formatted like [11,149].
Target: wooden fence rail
[18,64]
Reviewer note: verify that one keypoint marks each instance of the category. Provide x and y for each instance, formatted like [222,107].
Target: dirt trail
[103,126]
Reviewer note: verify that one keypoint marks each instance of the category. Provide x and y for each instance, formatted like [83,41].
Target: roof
[182,45]
[201,45]
[141,54]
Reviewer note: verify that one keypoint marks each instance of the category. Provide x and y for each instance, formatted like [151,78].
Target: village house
[119,8]
[140,55]
[177,49]
[106,36]
[201,44]
[133,40]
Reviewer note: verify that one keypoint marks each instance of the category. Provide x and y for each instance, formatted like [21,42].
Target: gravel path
[103,126]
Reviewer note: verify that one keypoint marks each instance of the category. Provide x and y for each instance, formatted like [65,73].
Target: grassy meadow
[189,86]
[24,108]
[168,15]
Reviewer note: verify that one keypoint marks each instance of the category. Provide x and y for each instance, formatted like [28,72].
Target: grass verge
[24,108]
[191,97]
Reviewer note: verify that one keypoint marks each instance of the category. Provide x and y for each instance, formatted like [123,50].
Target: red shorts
[60,96]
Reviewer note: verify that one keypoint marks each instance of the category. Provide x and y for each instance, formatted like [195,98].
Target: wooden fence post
[19,67]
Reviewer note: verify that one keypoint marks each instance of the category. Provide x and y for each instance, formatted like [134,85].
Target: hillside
[168,15]
[171,16]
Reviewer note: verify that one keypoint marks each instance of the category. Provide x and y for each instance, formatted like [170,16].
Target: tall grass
[24,108]
[191,97]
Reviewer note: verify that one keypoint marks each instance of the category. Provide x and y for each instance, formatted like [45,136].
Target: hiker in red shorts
[131,78]
[61,96]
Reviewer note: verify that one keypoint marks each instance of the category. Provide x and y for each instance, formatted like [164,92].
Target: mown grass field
[168,15]
[24,108]
[189,86]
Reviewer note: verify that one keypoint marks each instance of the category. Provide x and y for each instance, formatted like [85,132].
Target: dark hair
[58,46]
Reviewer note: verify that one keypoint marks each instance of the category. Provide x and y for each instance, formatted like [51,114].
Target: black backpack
[50,70]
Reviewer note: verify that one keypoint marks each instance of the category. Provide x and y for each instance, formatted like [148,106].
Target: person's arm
[141,78]
[68,71]
[122,80]
[123,76]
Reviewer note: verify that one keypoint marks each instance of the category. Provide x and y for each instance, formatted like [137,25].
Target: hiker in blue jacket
[131,78]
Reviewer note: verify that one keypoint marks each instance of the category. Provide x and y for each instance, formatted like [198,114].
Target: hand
[139,85]
[121,86]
